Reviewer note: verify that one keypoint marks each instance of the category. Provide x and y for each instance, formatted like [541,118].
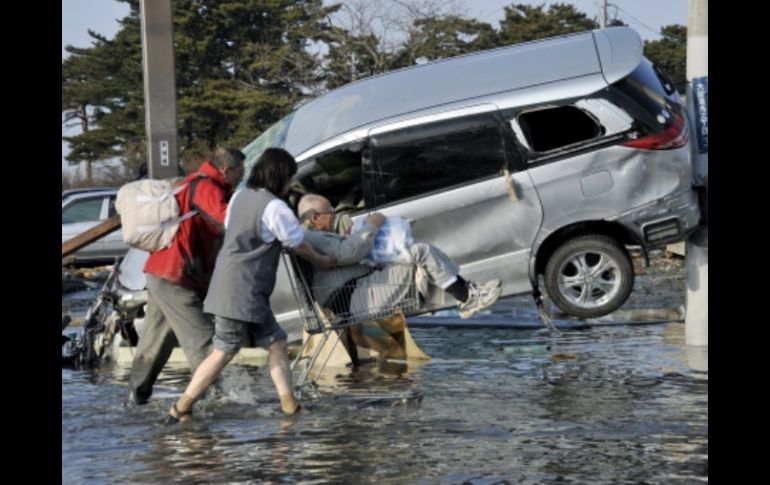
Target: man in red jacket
[178,276]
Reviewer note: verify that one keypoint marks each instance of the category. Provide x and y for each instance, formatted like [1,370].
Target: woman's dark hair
[272,170]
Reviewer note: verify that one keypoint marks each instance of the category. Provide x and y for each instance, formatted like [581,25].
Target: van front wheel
[589,276]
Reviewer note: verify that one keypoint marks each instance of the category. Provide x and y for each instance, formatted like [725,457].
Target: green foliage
[353,57]
[102,93]
[670,54]
[442,37]
[524,23]
[241,65]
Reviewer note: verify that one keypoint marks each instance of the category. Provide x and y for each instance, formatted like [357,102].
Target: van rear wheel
[589,276]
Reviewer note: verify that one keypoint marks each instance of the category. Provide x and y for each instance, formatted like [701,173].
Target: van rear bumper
[664,221]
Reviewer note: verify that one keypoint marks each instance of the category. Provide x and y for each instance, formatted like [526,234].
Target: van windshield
[275,136]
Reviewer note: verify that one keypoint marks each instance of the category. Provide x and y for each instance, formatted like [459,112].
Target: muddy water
[606,405]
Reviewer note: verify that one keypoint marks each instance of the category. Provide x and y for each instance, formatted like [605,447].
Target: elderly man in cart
[318,221]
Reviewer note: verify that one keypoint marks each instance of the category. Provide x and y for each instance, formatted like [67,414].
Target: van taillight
[674,136]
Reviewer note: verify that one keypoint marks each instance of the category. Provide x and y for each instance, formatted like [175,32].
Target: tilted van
[546,159]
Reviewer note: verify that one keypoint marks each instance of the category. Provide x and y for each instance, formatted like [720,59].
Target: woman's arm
[320,261]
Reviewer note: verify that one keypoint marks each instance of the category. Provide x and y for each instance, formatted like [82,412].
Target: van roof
[601,56]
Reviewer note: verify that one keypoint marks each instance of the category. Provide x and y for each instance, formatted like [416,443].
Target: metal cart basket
[330,301]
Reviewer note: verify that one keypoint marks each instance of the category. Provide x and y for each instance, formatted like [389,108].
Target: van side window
[552,128]
[337,176]
[417,160]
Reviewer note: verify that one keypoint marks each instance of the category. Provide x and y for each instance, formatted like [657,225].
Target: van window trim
[454,113]
[533,158]
[354,136]
[577,149]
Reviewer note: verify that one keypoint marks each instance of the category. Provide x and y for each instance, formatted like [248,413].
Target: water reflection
[197,453]
[697,357]
[604,405]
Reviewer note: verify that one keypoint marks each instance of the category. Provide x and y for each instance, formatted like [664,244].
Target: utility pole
[696,247]
[159,88]
[602,14]
[159,107]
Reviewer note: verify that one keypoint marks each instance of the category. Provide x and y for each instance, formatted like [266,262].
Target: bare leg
[280,372]
[207,372]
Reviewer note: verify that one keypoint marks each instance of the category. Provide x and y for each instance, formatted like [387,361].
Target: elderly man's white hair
[309,204]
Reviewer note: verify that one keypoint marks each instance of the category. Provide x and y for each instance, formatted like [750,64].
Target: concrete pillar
[696,258]
[159,88]
[697,317]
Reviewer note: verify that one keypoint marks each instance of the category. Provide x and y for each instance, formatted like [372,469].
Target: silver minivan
[544,159]
[537,163]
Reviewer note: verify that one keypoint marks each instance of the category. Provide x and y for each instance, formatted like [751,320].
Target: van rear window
[552,128]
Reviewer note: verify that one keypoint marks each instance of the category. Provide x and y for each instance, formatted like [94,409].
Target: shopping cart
[331,301]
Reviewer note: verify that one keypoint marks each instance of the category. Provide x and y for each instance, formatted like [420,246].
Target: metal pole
[159,88]
[696,256]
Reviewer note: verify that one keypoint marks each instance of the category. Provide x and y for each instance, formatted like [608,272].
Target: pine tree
[524,23]
[446,36]
[670,54]
[240,65]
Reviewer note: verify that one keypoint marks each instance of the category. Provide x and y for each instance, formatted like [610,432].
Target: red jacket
[189,261]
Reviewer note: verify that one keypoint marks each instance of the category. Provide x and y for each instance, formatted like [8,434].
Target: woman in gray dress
[257,226]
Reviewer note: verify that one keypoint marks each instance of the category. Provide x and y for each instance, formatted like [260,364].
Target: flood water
[605,405]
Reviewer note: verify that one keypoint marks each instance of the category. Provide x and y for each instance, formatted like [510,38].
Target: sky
[77,17]
[645,16]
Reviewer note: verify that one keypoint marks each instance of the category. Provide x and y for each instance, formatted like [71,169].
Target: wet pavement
[611,404]
[605,404]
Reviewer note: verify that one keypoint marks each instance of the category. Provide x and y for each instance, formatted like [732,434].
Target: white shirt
[278,221]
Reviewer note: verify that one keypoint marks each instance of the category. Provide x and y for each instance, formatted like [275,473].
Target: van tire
[604,261]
